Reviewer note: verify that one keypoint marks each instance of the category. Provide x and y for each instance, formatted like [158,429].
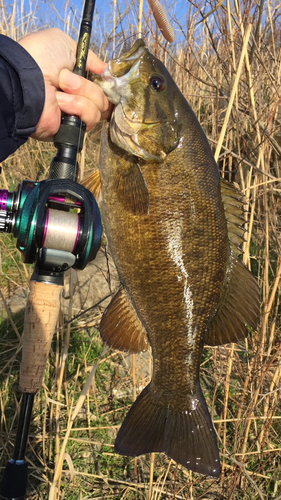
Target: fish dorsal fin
[93,183]
[121,327]
[131,186]
[234,203]
[239,305]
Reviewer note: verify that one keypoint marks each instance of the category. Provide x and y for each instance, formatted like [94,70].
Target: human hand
[55,54]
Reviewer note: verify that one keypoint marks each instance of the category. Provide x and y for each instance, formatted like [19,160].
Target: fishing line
[161,18]
[121,44]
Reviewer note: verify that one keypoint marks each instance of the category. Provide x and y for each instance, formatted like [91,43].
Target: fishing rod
[57,224]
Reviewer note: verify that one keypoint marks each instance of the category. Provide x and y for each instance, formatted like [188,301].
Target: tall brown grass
[237,101]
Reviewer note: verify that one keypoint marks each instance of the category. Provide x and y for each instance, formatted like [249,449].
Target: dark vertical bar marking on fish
[162,20]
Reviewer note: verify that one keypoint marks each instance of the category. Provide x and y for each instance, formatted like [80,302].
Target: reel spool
[57,224]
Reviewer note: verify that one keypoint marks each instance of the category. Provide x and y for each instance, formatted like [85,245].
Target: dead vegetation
[227,62]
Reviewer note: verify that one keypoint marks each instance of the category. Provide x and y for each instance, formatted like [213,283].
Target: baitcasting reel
[57,224]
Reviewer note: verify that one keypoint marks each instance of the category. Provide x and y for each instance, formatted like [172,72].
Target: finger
[94,63]
[74,84]
[41,47]
[50,119]
[83,107]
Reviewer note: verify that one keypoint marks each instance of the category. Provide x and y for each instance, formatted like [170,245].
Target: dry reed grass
[231,78]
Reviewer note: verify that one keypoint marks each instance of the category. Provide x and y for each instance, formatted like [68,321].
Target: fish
[175,230]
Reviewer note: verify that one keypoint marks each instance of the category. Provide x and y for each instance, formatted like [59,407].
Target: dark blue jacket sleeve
[22,96]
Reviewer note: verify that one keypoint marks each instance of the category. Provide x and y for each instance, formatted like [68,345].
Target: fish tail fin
[186,436]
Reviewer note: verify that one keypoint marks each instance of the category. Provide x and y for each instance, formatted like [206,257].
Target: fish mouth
[129,129]
[119,71]
[122,65]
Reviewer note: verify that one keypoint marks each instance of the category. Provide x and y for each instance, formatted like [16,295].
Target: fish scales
[165,219]
[167,262]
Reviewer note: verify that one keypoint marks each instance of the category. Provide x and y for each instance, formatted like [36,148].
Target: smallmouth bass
[174,228]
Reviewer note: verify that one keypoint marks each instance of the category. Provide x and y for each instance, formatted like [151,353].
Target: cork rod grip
[40,321]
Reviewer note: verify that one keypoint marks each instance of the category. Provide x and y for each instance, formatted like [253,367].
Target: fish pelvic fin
[93,183]
[186,436]
[120,326]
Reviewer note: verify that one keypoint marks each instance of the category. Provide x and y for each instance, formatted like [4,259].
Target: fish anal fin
[187,436]
[121,327]
[239,306]
[93,183]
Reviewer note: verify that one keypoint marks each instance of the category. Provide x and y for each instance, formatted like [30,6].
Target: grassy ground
[238,107]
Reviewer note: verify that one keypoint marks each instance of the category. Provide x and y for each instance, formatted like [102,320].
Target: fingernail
[63,97]
[70,79]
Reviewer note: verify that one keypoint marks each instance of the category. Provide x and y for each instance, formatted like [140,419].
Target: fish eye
[157,82]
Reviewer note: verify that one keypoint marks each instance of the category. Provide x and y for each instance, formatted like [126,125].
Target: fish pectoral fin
[93,183]
[187,435]
[239,306]
[121,327]
[132,188]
